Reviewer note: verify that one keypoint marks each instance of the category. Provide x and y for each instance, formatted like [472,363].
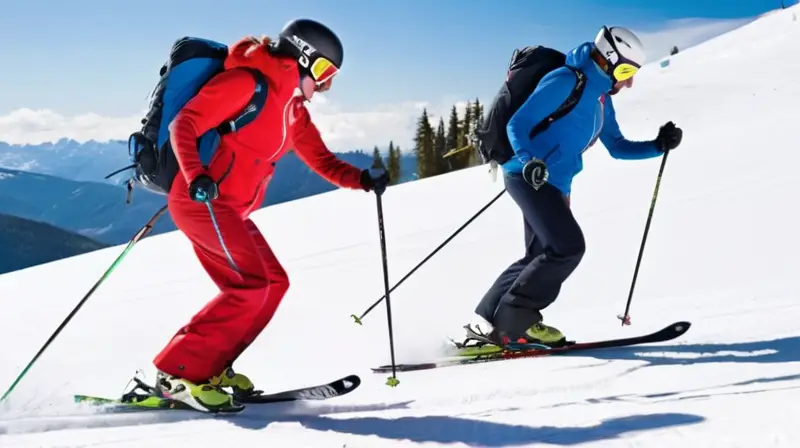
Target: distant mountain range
[62,184]
[28,243]
[95,210]
[67,158]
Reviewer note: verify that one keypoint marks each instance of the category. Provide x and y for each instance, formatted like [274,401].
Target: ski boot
[540,333]
[240,385]
[204,397]
[479,343]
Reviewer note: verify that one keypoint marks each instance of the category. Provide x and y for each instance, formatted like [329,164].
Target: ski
[133,401]
[667,333]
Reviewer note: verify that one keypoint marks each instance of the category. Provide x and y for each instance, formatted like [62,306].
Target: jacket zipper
[280,147]
[283,127]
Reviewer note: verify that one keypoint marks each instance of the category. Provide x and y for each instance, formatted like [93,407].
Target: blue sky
[102,57]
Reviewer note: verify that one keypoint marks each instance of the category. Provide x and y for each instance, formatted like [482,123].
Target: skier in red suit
[195,365]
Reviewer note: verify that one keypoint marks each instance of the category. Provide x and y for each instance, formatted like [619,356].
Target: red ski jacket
[247,155]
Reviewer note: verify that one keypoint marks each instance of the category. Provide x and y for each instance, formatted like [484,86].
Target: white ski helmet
[622,50]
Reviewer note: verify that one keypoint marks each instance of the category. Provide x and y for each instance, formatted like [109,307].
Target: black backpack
[528,66]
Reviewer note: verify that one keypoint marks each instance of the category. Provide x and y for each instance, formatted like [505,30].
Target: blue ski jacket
[561,146]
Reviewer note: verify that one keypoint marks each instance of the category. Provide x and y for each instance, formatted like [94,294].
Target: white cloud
[345,129]
[685,33]
[43,125]
[342,129]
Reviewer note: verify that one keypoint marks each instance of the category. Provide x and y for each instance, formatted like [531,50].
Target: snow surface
[721,254]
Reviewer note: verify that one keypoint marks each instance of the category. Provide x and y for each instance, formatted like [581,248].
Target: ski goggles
[625,71]
[322,71]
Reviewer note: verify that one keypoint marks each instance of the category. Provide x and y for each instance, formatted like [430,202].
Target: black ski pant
[554,245]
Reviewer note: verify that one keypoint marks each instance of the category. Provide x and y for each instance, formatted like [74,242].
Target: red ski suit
[251,291]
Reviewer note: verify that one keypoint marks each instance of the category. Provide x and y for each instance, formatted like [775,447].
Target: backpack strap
[566,107]
[254,106]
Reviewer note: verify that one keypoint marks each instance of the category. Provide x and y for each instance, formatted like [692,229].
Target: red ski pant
[250,290]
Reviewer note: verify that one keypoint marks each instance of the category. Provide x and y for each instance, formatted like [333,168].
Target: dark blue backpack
[191,64]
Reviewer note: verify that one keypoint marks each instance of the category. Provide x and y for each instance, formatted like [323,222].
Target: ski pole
[392,381]
[136,238]
[626,318]
[359,318]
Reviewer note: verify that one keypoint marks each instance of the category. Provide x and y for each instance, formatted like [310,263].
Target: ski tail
[141,396]
[144,402]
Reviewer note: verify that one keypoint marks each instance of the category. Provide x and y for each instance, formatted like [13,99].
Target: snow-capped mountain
[90,161]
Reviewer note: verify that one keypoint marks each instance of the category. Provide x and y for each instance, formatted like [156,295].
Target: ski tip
[350,382]
[681,327]
[345,385]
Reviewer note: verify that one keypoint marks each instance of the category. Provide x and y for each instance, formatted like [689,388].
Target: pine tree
[452,138]
[462,158]
[398,154]
[423,147]
[477,118]
[393,165]
[376,156]
[440,149]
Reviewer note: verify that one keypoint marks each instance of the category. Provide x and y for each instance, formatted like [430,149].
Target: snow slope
[721,254]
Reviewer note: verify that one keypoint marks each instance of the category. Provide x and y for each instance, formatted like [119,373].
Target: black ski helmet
[309,40]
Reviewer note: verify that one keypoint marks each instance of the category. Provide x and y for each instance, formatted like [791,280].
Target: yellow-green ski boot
[478,342]
[240,385]
[544,334]
[203,397]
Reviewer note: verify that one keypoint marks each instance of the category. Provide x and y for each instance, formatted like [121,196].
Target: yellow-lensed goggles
[322,70]
[625,71]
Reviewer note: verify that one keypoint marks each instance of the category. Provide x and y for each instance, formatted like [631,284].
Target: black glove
[535,173]
[669,137]
[375,179]
[203,188]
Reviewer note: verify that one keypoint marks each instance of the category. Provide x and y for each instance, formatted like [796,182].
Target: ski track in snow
[721,254]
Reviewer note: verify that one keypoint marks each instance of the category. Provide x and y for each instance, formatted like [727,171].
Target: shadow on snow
[702,393]
[767,352]
[783,350]
[445,429]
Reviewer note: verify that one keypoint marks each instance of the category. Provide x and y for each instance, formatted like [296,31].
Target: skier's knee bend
[576,249]
[570,251]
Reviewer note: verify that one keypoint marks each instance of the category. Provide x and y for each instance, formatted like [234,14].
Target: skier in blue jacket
[539,178]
